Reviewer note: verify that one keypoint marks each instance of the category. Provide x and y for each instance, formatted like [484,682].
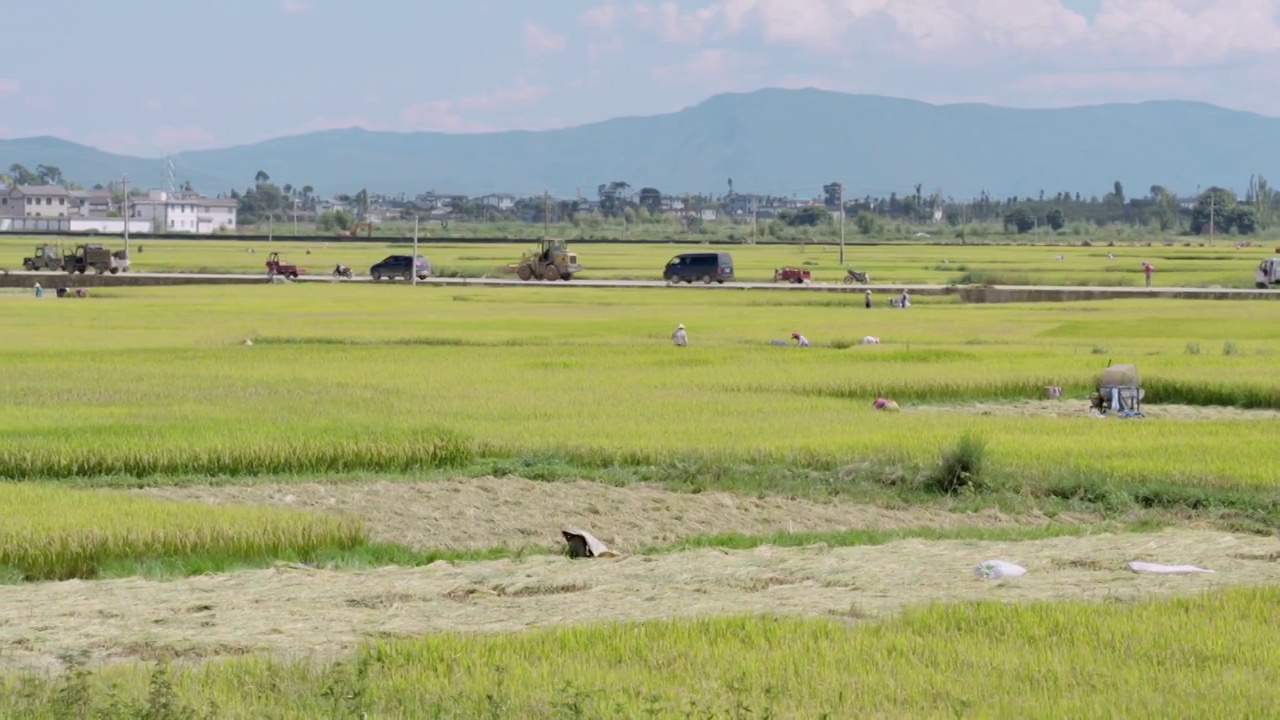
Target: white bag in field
[1165,569]
[996,569]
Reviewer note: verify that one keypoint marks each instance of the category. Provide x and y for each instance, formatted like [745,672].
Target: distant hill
[780,142]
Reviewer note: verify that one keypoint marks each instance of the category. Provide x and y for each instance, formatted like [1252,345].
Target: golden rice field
[354,379]
[54,533]
[1208,656]
[147,387]
[1178,262]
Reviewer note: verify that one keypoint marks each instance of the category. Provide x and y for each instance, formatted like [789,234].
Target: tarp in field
[1120,375]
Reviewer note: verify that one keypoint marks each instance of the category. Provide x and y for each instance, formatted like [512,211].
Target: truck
[1268,273]
[97,257]
[46,257]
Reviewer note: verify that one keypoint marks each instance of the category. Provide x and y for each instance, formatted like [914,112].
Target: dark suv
[703,267]
[400,266]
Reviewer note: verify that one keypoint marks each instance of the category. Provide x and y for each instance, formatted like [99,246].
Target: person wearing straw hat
[680,338]
[801,341]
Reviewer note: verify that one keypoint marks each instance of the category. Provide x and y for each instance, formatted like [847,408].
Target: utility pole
[755,218]
[546,212]
[414,264]
[841,224]
[124,182]
[295,217]
[1213,199]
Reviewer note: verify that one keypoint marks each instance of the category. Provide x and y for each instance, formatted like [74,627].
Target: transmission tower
[169,175]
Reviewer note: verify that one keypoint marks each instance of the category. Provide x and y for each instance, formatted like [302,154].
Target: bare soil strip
[290,610]
[490,512]
[1080,408]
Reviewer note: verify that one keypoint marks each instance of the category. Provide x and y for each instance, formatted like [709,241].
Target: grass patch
[856,538]
[1054,659]
[960,468]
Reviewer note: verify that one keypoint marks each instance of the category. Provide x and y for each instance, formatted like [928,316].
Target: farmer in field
[680,338]
[868,300]
[1147,269]
[801,341]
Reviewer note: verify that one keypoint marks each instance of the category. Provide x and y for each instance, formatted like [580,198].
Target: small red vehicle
[792,275]
[276,266]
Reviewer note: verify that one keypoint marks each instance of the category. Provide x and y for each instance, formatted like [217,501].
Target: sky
[145,77]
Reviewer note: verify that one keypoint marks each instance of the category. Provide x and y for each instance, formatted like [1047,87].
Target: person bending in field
[801,341]
[680,338]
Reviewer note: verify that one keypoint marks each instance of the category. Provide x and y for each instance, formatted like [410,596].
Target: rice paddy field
[323,500]
[1179,262]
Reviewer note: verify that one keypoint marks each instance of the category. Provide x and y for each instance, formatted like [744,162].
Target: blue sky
[146,77]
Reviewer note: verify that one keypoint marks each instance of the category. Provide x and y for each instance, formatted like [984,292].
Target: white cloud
[187,137]
[294,7]
[8,86]
[603,17]
[706,65]
[1179,33]
[153,105]
[674,25]
[453,115]
[541,40]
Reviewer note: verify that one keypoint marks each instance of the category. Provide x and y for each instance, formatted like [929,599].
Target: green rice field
[280,431]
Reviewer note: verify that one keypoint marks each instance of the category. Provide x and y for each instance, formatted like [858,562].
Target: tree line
[1215,209]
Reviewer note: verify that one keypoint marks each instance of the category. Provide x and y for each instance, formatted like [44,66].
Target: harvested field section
[517,513]
[298,610]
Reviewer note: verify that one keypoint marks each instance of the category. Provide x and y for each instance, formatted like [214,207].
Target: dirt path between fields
[1080,408]
[490,512]
[297,610]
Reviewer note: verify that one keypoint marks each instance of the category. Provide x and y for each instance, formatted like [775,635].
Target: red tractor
[276,266]
[792,275]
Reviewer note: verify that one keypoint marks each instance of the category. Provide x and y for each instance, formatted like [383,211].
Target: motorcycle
[853,276]
[342,271]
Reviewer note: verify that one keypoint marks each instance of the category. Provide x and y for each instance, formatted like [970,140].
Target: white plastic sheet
[996,569]
[1165,569]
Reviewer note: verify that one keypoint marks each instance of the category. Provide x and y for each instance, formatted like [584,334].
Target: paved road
[995,293]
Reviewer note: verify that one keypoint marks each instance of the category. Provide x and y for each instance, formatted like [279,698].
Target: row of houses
[39,207]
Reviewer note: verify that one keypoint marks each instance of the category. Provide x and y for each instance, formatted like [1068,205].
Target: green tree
[361,201]
[1056,219]
[22,176]
[867,223]
[261,177]
[1244,219]
[1021,219]
[1217,206]
[831,193]
[331,220]
[807,216]
[612,197]
[651,200]
[48,175]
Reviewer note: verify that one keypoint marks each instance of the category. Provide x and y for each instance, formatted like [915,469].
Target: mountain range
[773,141]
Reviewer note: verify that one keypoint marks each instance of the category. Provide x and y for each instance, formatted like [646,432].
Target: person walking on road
[680,338]
[1147,269]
